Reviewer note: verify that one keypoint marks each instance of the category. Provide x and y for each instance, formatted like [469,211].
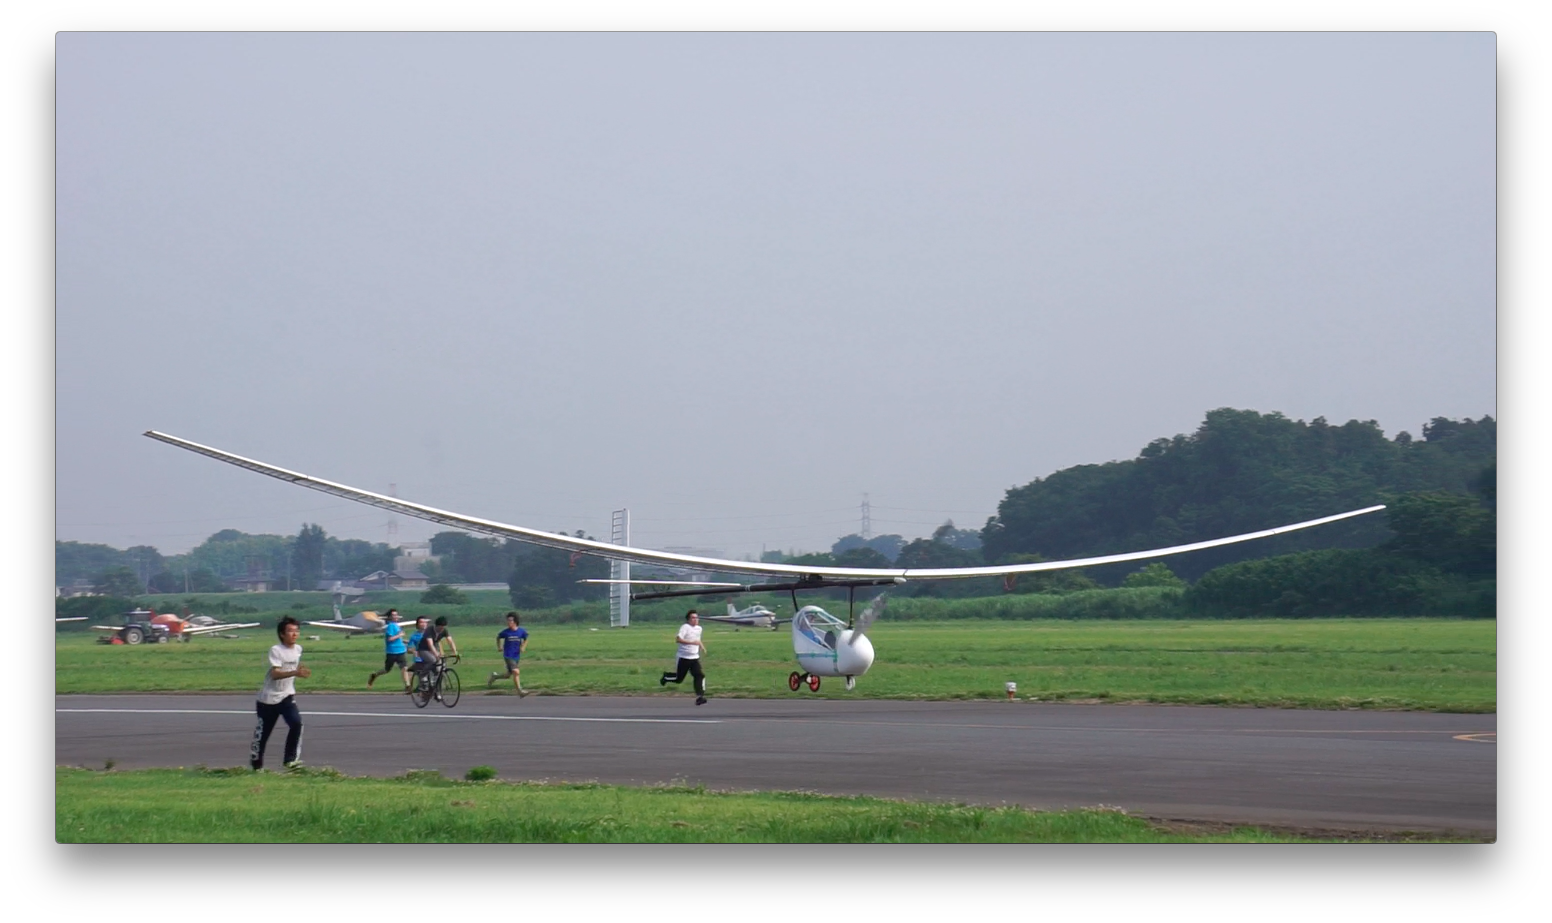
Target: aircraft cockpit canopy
[818,625]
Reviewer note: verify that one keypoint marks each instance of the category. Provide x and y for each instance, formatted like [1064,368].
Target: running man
[393,650]
[511,641]
[277,697]
[690,651]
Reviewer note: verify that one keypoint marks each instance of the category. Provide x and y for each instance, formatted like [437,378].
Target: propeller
[868,616]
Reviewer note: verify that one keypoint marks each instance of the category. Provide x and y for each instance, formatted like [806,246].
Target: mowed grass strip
[1423,664]
[319,806]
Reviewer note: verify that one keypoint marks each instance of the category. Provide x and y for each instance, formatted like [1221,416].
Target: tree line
[299,560]
[1240,471]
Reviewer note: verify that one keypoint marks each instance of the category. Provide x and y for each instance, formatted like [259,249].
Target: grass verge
[1424,664]
[323,806]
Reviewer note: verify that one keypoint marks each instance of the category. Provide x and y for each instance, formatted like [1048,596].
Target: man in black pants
[277,697]
[690,650]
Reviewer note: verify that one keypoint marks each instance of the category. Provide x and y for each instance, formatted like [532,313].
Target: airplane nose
[854,654]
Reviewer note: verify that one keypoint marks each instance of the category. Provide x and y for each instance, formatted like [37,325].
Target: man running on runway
[277,697]
[690,651]
[511,641]
[393,650]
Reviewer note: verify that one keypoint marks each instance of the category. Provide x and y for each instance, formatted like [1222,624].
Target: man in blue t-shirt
[393,648]
[420,632]
[511,641]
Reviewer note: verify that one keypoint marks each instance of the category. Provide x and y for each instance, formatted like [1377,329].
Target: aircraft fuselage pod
[824,646]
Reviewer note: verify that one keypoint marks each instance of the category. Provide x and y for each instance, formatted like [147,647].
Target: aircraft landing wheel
[794,680]
[813,683]
[851,683]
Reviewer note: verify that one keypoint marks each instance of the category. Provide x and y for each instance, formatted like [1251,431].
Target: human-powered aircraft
[823,644]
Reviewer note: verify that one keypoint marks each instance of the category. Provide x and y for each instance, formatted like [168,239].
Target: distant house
[347,588]
[77,587]
[252,584]
[413,555]
[411,579]
[399,579]
[376,580]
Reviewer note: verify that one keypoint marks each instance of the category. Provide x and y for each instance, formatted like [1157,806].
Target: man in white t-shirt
[277,697]
[690,651]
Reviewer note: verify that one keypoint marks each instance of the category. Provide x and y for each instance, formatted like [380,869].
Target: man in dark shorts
[511,641]
[277,697]
[393,650]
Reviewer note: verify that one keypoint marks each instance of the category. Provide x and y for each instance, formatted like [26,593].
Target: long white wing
[648,556]
[206,629]
[339,626]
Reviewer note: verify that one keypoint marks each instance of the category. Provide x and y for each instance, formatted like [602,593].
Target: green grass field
[1429,664]
[318,806]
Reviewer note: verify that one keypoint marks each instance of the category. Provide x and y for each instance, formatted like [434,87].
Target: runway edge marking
[364,714]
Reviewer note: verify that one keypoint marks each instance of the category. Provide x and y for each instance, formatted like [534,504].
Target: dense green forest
[1241,471]
[1432,552]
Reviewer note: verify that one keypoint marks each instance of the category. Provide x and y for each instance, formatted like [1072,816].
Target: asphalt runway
[1339,770]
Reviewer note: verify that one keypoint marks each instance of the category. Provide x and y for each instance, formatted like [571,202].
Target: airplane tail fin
[731,610]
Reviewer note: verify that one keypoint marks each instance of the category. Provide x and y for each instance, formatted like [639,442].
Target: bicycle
[442,684]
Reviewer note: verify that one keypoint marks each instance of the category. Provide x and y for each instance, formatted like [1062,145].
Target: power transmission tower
[867,519]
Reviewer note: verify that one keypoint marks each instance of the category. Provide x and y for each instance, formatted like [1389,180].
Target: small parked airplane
[756,616]
[823,644]
[362,623]
[357,624]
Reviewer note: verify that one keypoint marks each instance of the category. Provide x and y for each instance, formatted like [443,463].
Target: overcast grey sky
[734,282]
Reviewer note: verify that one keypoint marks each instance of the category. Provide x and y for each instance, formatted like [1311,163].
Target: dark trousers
[691,665]
[268,715]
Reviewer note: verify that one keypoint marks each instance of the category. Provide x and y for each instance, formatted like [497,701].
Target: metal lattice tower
[619,593]
[867,519]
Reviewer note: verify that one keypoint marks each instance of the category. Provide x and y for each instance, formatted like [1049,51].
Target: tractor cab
[140,627]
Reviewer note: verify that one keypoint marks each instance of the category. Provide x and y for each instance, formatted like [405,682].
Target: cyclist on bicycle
[429,647]
[419,666]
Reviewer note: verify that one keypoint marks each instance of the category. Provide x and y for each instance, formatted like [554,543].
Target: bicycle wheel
[424,689]
[450,687]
